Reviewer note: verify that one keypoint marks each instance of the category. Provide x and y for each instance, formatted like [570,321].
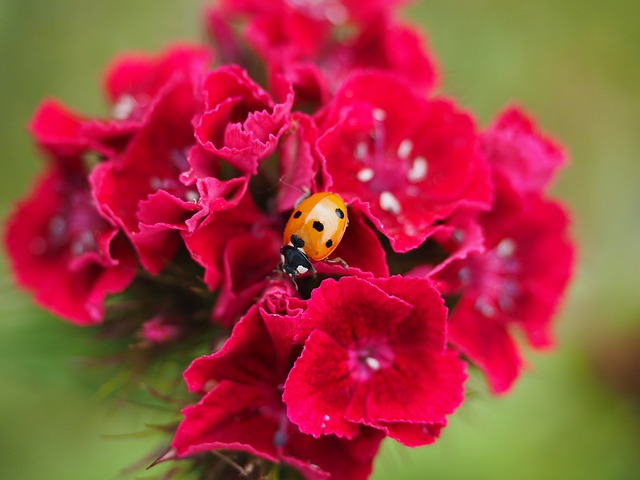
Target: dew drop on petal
[389,203]
[365,175]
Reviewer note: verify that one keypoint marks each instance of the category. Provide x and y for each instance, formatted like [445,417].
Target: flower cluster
[163,223]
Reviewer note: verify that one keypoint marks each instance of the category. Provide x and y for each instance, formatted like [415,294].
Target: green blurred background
[573,64]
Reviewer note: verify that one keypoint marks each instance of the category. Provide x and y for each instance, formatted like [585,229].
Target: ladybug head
[294,261]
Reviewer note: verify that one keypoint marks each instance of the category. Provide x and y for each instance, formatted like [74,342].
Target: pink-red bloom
[242,405]
[193,177]
[516,283]
[61,247]
[241,122]
[375,355]
[406,161]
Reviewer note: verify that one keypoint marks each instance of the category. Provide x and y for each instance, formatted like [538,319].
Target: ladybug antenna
[303,189]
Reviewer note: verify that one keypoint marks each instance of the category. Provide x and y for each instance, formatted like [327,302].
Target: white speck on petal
[373,363]
[506,248]
[404,149]
[389,203]
[365,175]
[419,170]
[458,236]
[465,275]
[192,196]
[361,151]
[483,306]
[379,114]
[123,107]
[326,418]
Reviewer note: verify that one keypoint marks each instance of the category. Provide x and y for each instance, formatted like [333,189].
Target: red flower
[374,355]
[301,164]
[144,190]
[243,410]
[518,151]
[383,45]
[134,82]
[516,283]
[61,247]
[241,123]
[404,160]
[302,48]
[239,249]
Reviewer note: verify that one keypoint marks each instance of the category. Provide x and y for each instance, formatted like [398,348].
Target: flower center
[388,168]
[364,361]
[494,278]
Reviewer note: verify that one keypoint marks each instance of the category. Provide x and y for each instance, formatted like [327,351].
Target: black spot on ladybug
[339,213]
[328,243]
[297,214]
[318,226]
[296,241]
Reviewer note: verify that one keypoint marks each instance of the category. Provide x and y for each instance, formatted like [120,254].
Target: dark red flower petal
[243,409]
[65,252]
[208,242]
[229,417]
[361,250]
[487,344]
[517,150]
[301,165]
[70,137]
[515,283]
[153,161]
[133,81]
[242,124]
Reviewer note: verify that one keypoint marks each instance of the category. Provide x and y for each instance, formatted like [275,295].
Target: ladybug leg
[337,260]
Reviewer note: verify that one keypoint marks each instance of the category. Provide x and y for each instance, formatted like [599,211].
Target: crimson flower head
[242,406]
[375,354]
[516,280]
[163,223]
[514,284]
[60,245]
[241,122]
[405,160]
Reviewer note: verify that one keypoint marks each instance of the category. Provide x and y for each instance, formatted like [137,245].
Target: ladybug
[313,232]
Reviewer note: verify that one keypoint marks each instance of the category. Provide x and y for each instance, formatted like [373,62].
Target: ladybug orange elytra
[313,232]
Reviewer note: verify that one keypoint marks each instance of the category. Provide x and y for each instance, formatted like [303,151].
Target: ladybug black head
[294,261]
